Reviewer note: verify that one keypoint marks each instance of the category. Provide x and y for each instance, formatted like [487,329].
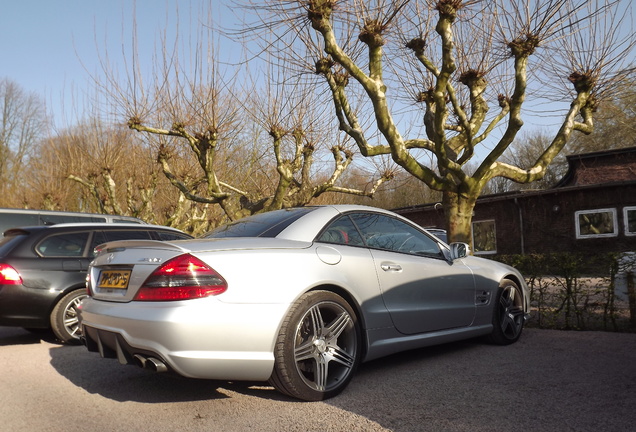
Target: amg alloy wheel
[508,315]
[318,348]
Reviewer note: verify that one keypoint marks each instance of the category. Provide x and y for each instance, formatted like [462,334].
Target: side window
[105,236]
[485,237]
[63,245]
[115,220]
[57,219]
[629,216]
[596,223]
[167,236]
[98,238]
[341,231]
[387,233]
[114,235]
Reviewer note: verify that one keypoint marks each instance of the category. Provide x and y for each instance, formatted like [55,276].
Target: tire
[321,333]
[65,317]
[508,316]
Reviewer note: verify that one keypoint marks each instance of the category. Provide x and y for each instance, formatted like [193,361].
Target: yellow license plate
[114,279]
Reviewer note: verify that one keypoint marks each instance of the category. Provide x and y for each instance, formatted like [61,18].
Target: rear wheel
[65,317]
[508,315]
[318,348]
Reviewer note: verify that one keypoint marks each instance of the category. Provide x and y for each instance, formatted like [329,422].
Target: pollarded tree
[93,167]
[219,142]
[472,67]
[97,167]
[247,174]
[526,149]
[614,126]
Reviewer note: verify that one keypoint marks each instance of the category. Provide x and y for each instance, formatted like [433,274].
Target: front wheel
[508,315]
[318,347]
[65,317]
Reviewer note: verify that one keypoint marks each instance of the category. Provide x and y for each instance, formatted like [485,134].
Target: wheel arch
[64,292]
[520,283]
[65,325]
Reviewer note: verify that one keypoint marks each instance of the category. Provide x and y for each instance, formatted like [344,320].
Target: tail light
[9,275]
[182,278]
[89,292]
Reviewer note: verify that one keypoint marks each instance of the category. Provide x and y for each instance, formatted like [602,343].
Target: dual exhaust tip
[150,363]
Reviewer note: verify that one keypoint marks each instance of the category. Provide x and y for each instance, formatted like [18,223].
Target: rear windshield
[268,224]
[11,220]
[169,235]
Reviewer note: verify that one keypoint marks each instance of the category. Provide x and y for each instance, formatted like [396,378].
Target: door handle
[391,267]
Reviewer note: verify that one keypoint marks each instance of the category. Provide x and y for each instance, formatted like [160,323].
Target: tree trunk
[458,211]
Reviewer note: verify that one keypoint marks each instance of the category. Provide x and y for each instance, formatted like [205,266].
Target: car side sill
[387,341]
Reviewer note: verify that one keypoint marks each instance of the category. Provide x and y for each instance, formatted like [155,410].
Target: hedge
[571,291]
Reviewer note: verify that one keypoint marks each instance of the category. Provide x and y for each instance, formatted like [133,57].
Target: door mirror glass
[459,250]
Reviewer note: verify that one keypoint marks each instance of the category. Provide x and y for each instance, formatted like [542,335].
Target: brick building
[591,210]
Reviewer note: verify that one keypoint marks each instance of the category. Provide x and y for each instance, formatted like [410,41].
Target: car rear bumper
[26,307]
[196,338]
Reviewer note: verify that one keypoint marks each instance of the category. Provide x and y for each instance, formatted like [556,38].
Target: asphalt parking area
[549,381]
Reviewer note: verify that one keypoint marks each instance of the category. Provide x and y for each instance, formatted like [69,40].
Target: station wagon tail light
[182,278]
[9,275]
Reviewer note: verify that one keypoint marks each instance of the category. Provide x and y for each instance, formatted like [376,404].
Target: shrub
[571,291]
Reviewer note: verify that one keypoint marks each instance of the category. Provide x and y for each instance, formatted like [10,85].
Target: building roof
[609,166]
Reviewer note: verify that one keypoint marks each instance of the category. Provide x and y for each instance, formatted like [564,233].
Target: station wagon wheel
[318,348]
[65,317]
[508,315]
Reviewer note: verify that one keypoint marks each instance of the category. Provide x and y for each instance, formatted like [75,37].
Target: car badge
[110,258]
[150,260]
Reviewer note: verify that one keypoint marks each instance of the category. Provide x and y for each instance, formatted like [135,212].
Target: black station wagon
[43,271]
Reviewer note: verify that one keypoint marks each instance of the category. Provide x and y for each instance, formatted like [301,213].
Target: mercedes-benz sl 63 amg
[297,297]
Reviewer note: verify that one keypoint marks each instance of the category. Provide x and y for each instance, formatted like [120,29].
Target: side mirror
[459,250]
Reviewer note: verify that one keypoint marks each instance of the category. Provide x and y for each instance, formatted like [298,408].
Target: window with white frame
[629,216]
[484,237]
[596,223]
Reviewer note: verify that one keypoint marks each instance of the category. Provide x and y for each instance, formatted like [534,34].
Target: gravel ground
[549,381]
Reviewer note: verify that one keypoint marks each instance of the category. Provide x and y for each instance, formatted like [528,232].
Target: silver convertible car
[297,297]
